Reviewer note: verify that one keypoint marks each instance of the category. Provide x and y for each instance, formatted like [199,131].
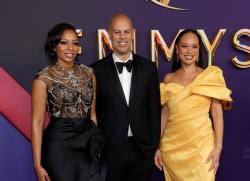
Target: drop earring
[177,56]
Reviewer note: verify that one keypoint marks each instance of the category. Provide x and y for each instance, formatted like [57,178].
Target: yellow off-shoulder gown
[188,138]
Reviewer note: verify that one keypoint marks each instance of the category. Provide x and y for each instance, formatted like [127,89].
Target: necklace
[75,69]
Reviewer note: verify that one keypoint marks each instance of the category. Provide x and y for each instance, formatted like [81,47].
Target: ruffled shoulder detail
[211,83]
[163,92]
[168,90]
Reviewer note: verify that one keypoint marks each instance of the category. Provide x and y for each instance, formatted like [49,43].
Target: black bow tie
[128,65]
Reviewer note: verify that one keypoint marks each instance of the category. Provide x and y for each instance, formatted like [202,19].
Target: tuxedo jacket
[114,115]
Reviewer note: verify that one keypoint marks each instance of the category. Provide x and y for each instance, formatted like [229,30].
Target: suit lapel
[114,79]
[135,76]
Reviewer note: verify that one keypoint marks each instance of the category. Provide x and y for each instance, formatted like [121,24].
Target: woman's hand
[158,159]
[42,175]
[215,157]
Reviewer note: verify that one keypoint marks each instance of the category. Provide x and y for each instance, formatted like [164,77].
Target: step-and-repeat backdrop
[223,25]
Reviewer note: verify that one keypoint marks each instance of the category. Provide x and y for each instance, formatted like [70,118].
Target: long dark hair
[53,39]
[177,63]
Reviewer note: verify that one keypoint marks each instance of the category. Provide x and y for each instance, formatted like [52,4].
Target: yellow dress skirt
[189,138]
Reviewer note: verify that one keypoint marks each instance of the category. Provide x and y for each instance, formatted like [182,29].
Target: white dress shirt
[125,79]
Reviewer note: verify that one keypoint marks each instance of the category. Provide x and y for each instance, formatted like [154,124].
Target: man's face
[121,35]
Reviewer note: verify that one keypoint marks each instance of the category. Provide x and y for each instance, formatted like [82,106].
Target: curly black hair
[53,39]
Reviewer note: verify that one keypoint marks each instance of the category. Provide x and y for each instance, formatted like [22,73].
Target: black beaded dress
[71,142]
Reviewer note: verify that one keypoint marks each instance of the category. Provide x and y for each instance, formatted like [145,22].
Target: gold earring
[177,57]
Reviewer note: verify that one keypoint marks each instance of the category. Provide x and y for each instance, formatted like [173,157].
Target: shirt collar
[116,59]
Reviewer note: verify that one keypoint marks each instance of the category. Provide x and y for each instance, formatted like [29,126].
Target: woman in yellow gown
[190,144]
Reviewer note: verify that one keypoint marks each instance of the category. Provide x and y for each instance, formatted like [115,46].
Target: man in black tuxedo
[127,106]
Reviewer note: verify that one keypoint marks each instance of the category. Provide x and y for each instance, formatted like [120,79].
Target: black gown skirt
[70,150]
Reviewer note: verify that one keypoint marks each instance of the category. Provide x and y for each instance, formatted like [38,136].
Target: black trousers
[135,167]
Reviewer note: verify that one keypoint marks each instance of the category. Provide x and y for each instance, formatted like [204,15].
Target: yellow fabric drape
[188,138]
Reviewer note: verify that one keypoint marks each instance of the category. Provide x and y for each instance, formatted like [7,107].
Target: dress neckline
[200,74]
[66,68]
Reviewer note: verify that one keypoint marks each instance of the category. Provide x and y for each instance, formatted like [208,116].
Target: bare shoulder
[39,85]
[168,77]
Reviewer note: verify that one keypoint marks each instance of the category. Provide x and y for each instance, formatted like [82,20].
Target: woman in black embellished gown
[69,147]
